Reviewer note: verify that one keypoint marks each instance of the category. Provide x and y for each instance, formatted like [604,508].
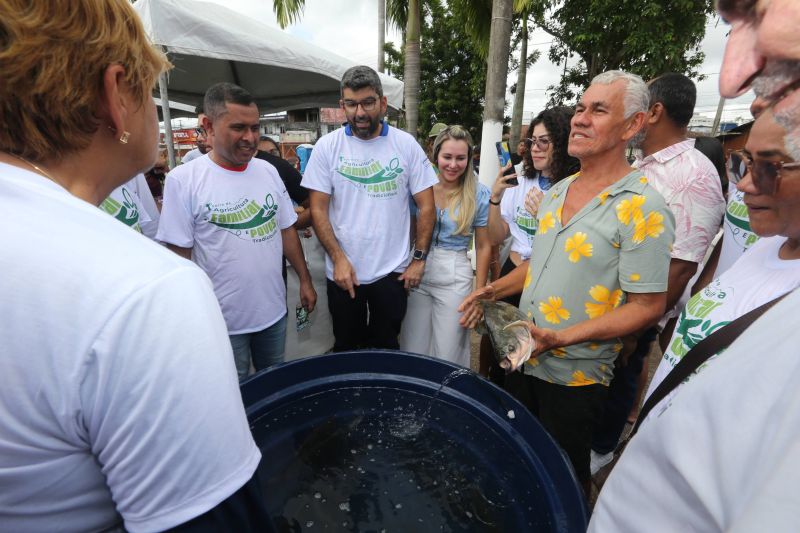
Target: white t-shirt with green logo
[737,235]
[124,205]
[521,224]
[232,220]
[756,278]
[370,183]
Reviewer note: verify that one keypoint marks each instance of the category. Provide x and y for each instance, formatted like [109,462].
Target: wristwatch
[419,255]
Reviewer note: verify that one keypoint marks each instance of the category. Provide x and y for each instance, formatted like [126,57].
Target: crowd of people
[125,343]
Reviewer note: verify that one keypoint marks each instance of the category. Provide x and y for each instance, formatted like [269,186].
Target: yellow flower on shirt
[605,301]
[577,247]
[579,379]
[547,222]
[643,180]
[602,197]
[528,279]
[558,213]
[628,210]
[553,311]
[652,227]
[559,352]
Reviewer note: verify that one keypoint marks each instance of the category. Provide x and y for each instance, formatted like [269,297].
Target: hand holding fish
[545,338]
[471,311]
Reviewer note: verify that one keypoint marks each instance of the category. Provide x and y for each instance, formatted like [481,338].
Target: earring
[123,139]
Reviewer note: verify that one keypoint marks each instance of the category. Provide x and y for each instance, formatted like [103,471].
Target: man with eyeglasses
[362,178]
[689,183]
[201,138]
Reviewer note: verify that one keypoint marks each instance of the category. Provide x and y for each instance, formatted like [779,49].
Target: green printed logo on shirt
[694,324]
[525,222]
[246,218]
[126,211]
[738,220]
[377,180]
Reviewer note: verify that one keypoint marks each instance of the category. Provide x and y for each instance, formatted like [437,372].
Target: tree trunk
[519,97]
[381,32]
[497,72]
[412,68]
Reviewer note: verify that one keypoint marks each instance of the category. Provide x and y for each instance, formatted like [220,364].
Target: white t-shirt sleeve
[176,224]
[162,411]
[421,173]
[148,205]
[318,169]
[286,214]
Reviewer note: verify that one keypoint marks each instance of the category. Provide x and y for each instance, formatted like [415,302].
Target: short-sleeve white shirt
[521,224]
[119,393]
[369,183]
[232,220]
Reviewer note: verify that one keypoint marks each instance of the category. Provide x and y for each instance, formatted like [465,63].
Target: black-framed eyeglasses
[367,104]
[541,142]
[199,132]
[765,174]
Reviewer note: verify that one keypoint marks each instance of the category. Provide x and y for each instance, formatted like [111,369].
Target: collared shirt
[690,184]
[618,243]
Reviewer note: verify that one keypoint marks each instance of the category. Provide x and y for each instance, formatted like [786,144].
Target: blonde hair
[462,201]
[53,55]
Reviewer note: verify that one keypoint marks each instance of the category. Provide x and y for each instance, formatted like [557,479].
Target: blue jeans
[266,347]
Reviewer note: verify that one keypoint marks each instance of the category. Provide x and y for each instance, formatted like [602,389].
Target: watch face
[419,254]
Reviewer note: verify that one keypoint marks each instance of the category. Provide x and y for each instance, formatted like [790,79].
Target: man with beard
[692,189]
[231,214]
[361,178]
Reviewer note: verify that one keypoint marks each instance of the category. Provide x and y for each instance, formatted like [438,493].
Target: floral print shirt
[616,244]
[690,184]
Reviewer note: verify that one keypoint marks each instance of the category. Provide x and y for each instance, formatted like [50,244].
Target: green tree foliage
[453,74]
[646,37]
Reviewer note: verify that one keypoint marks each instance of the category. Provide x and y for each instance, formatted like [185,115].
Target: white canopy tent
[209,43]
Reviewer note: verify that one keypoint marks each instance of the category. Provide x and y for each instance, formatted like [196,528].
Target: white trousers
[431,325]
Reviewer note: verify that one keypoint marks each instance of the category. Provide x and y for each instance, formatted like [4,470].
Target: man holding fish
[598,269]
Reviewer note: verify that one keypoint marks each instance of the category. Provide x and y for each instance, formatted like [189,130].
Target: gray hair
[359,77]
[637,95]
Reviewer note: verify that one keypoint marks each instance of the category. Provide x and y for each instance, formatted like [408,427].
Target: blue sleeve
[481,206]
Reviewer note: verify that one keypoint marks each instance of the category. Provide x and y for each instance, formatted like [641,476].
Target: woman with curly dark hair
[546,162]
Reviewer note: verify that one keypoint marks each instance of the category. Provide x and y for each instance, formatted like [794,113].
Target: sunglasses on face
[765,174]
[541,142]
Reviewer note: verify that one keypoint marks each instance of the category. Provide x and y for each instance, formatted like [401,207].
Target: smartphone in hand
[504,156]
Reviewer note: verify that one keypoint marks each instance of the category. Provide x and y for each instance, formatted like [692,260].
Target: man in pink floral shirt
[691,186]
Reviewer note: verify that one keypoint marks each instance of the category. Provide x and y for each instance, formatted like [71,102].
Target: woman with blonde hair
[431,324]
[121,408]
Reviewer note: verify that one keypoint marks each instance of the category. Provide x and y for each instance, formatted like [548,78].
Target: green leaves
[646,37]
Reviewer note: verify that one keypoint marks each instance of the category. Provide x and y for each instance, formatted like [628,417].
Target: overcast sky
[350,29]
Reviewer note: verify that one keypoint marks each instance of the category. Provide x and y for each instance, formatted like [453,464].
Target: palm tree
[381,33]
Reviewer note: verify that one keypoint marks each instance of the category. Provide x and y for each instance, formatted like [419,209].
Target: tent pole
[162,86]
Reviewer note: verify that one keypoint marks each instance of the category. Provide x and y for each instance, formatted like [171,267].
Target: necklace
[36,168]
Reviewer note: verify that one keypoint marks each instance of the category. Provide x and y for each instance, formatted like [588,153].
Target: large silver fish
[508,330]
